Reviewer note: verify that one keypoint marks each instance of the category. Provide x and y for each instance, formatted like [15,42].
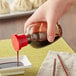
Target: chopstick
[62,65]
[54,67]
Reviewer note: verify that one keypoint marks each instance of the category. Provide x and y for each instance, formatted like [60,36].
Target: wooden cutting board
[68,24]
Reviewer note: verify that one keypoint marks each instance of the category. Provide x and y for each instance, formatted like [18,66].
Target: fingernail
[51,38]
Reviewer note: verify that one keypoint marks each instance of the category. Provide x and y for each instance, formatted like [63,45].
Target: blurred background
[13,15]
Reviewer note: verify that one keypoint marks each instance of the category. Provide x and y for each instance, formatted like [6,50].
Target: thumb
[36,17]
[51,28]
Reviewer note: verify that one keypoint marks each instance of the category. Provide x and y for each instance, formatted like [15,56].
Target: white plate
[15,14]
[13,69]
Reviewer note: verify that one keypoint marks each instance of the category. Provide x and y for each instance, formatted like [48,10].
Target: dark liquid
[38,40]
[10,64]
[17,58]
[40,44]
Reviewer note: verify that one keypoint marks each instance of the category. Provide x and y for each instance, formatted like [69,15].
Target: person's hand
[50,12]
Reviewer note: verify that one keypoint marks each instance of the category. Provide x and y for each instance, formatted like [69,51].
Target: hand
[50,12]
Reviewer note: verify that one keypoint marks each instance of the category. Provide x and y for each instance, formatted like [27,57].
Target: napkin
[69,61]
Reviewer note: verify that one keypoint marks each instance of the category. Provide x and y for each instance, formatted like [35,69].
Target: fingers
[36,17]
[51,27]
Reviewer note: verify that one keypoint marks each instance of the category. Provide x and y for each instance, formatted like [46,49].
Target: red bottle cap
[19,41]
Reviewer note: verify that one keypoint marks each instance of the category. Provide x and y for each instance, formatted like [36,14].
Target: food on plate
[4,7]
[37,3]
[22,5]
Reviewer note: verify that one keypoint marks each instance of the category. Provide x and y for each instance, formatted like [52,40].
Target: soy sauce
[10,64]
[17,58]
[39,40]
[41,44]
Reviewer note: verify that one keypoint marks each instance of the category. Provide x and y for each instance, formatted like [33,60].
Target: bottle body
[36,35]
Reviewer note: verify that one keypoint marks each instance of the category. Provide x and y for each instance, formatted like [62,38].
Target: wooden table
[12,26]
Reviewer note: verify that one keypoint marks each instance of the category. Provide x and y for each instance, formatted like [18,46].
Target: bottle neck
[28,38]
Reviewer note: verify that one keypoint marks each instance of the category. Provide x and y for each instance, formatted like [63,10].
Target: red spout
[19,41]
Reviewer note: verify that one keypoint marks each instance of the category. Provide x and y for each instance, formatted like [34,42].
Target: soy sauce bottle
[36,35]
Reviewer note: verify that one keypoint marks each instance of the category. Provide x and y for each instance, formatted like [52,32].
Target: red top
[19,41]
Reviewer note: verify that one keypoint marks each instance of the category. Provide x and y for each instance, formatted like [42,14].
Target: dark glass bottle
[36,35]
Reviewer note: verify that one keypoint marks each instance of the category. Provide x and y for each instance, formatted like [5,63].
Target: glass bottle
[36,35]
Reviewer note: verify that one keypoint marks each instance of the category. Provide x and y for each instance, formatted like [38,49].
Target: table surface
[36,56]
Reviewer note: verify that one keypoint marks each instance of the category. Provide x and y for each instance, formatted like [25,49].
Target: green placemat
[36,56]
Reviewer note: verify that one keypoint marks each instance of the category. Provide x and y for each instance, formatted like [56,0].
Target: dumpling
[22,5]
[37,3]
[4,7]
